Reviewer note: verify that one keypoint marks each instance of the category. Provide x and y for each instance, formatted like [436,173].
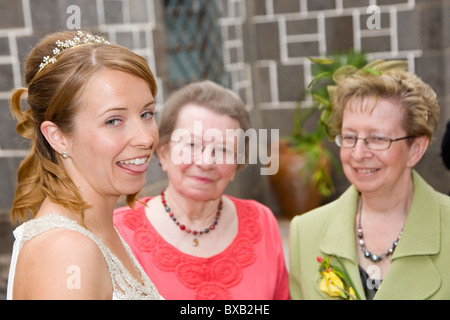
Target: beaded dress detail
[125,286]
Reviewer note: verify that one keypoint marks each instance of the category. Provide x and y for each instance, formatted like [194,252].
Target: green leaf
[321,100]
[326,115]
[373,71]
[316,78]
[347,276]
[343,72]
[321,60]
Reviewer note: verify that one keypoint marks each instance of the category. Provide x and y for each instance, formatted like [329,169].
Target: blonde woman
[90,121]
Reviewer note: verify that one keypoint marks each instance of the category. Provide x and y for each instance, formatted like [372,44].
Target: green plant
[311,143]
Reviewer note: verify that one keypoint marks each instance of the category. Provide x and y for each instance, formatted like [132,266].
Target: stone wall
[286,32]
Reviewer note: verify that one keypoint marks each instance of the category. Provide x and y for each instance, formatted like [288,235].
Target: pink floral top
[251,267]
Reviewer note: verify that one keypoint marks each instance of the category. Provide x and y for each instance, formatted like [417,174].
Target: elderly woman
[194,241]
[388,231]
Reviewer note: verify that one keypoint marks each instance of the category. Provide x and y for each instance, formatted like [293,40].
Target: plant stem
[348,277]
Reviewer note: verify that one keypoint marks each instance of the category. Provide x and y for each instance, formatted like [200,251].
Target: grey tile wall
[265,45]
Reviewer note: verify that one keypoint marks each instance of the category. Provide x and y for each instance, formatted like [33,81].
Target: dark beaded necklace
[195,233]
[367,254]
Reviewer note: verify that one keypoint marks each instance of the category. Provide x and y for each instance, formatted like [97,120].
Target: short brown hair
[205,94]
[419,101]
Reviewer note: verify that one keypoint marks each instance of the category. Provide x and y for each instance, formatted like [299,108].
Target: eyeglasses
[372,143]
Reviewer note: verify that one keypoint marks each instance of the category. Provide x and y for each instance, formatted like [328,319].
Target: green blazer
[420,265]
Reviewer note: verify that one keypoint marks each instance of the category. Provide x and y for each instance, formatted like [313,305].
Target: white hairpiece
[80,39]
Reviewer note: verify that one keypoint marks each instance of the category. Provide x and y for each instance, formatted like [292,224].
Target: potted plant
[305,161]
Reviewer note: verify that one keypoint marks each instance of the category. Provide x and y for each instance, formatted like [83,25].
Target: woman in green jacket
[387,236]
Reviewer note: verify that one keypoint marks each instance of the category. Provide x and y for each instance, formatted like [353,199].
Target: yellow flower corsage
[335,281]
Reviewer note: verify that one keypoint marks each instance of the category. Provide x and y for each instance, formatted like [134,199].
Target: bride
[93,133]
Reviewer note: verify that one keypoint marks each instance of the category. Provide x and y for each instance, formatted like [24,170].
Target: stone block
[234,55]
[11,14]
[428,2]
[281,119]
[6,77]
[9,138]
[446,27]
[445,101]
[4,47]
[429,68]
[431,28]
[8,183]
[159,49]
[339,33]
[391,2]
[306,26]
[258,7]
[267,41]
[231,33]
[286,6]
[113,11]
[138,11]
[303,49]
[6,228]
[125,39]
[355,3]
[318,5]
[48,15]
[262,85]
[290,82]
[408,31]
[376,44]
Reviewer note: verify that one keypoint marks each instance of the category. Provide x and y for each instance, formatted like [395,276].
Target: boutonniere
[335,280]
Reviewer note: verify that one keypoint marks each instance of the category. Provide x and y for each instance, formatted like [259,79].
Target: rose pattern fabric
[211,278]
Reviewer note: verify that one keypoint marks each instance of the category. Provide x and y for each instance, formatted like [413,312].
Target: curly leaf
[316,78]
[321,100]
[391,64]
[343,72]
[321,60]
[373,71]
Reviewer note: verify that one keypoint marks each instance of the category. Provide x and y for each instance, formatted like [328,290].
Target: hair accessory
[195,233]
[80,39]
[65,155]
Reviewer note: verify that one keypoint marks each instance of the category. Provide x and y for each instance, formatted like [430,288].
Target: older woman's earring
[65,155]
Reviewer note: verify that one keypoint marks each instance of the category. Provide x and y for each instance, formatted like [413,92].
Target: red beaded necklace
[195,233]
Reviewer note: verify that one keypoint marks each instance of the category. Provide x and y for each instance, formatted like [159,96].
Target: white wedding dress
[126,287]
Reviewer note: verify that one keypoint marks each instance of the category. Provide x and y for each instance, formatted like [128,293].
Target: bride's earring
[65,155]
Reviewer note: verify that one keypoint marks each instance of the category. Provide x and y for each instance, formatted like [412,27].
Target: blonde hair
[418,100]
[209,95]
[53,95]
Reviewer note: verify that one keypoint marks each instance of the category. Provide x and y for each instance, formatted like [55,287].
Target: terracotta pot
[295,194]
